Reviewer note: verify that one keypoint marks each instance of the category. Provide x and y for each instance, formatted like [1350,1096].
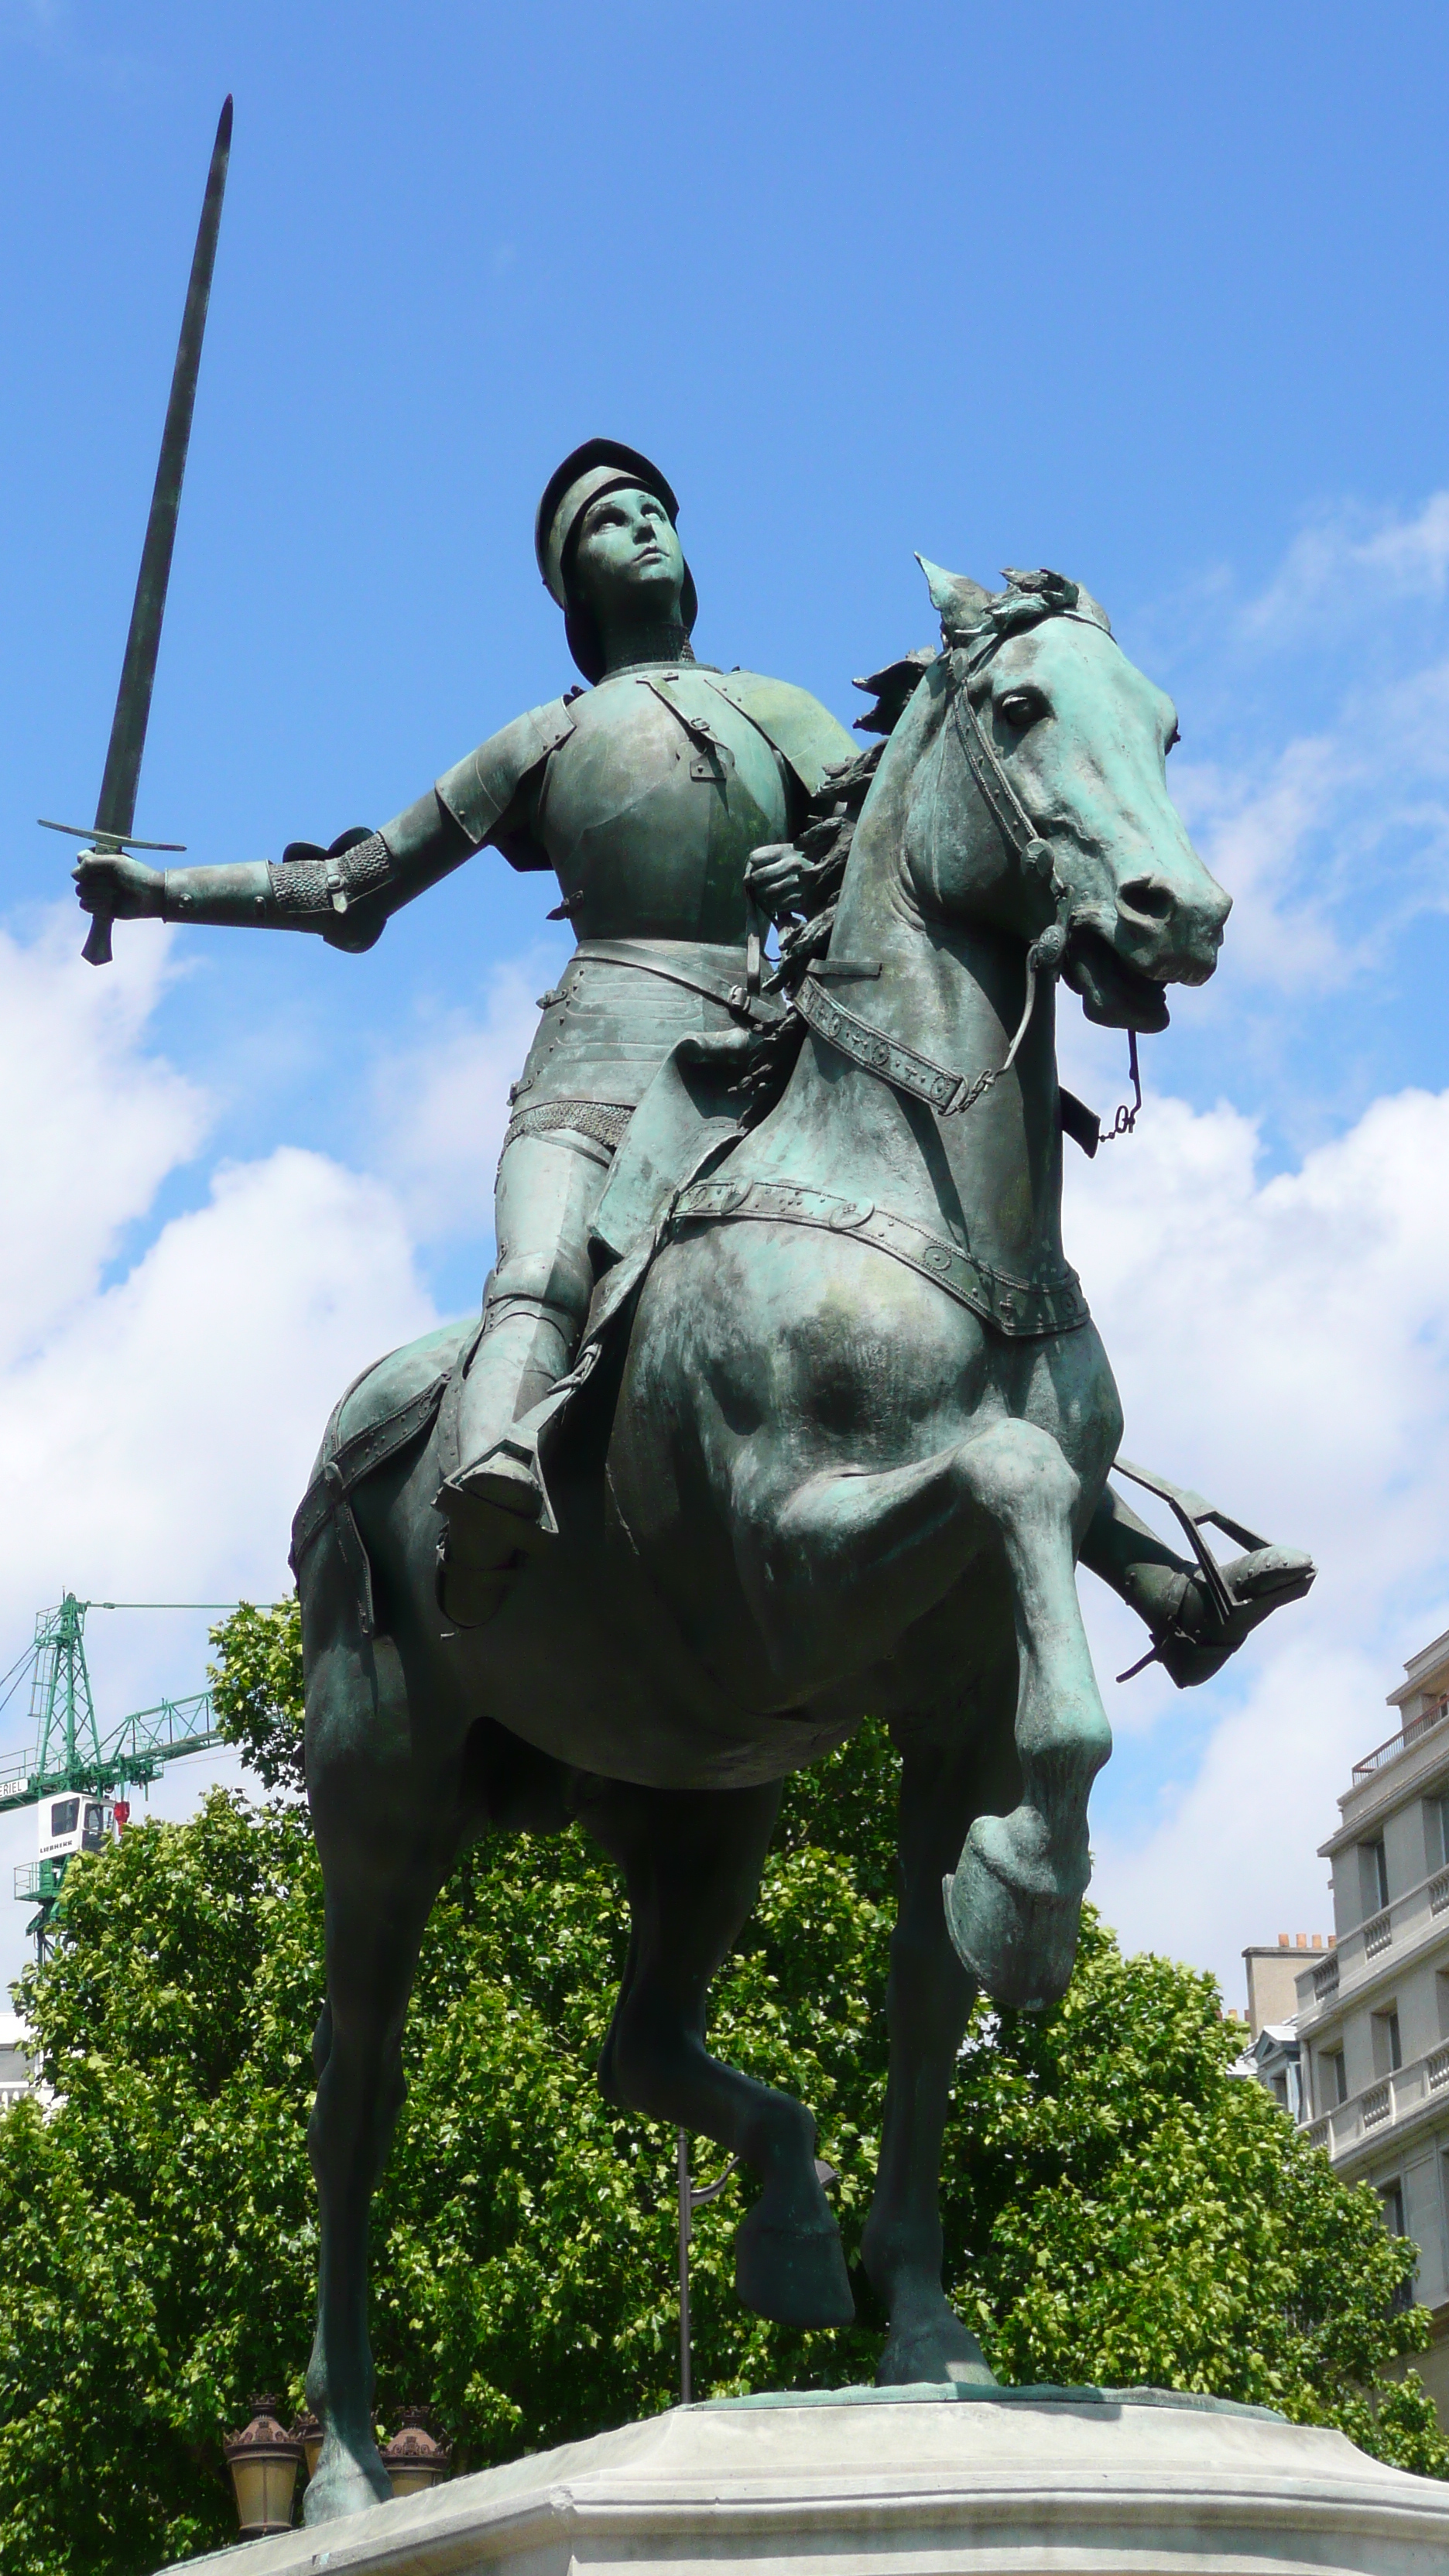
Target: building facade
[15,2075]
[1373,2014]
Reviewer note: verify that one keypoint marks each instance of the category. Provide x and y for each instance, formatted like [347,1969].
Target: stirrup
[1236,1615]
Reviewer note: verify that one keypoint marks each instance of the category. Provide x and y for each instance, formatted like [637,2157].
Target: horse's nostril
[1148,897]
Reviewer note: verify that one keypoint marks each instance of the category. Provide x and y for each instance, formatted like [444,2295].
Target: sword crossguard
[103,845]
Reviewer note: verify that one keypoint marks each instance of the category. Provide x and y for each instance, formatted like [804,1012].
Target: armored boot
[538,1297]
[525,1348]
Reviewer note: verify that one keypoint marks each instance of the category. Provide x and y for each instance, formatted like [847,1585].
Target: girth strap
[1022,1309]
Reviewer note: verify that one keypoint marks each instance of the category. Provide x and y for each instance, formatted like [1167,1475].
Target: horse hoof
[344,2485]
[940,2351]
[795,2276]
[1013,1927]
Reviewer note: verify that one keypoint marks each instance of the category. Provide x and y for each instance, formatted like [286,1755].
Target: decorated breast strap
[1023,1309]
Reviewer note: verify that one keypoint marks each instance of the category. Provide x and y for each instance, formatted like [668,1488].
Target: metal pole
[685,2224]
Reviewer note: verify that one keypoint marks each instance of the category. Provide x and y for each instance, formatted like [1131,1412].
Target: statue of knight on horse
[783,1405]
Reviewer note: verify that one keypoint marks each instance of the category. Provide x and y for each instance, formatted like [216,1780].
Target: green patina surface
[838,1427]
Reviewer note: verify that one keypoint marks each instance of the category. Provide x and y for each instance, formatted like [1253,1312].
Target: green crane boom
[68,1752]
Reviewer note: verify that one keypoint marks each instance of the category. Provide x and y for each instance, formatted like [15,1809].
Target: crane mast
[70,1760]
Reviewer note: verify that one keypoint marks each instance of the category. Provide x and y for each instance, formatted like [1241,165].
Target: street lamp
[413,2460]
[308,2432]
[263,2459]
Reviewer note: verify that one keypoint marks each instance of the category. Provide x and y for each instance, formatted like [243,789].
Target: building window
[1373,1878]
[1436,1831]
[1332,2078]
[1391,2201]
[1388,2055]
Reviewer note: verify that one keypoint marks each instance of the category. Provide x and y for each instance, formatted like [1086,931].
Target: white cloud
[93,1124]
[1283,1346]
[442,1103]
[1252,831]
[1349,563]
[156,1428]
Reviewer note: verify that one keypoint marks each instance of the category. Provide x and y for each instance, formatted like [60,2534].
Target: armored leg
[548,1188]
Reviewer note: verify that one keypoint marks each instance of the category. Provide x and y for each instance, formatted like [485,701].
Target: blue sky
[1155,296]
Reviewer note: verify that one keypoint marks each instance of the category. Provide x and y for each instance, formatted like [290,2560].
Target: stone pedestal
[909,2482]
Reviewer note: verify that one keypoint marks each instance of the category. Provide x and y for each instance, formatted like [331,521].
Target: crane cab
[75,1823]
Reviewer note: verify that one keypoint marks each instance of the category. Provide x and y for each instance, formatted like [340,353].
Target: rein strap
[902,1066]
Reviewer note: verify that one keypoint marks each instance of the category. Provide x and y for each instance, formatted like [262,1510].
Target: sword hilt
[103,845]
[97,950]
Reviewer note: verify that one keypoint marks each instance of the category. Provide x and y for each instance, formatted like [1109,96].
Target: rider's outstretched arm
[347,893]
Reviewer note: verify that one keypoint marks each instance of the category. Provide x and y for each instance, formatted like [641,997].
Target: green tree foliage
[256,1690]
[1117,2207]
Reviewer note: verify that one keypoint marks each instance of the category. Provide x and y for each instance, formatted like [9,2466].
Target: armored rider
[645,793]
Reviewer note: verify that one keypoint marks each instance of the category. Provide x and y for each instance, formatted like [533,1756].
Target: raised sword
[116,805]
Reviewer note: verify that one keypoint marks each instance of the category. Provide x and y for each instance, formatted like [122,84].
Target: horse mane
[824,844]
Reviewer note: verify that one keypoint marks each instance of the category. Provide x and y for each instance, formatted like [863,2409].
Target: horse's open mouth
[1114,994]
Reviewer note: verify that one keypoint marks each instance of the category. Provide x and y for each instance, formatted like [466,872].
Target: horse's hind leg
[386,1840]
[928,2002]
[1014,1899]
[692,1863]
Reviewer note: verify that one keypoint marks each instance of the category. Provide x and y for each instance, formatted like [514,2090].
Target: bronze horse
[844,1458]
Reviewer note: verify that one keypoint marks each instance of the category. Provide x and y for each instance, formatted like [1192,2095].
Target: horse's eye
[1021,707]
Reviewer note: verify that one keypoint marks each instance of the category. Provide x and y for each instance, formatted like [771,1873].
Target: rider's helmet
[600,465]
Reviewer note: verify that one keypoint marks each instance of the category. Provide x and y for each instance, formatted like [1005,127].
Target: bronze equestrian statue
[784,1404]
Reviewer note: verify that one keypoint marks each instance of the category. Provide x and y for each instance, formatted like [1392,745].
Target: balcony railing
[1383,2104]
[1408,1734]
[1411,1920]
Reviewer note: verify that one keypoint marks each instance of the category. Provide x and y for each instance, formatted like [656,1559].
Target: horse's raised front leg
[928,2003]
[692,1862]
[1013,1902]
[385,1852]
[837,1567]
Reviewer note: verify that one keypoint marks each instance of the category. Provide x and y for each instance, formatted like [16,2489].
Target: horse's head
[1061,747]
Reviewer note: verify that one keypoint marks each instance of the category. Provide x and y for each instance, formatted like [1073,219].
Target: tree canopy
[1118,2208]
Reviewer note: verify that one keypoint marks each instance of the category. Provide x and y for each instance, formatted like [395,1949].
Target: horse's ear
[959,603]
[1087,606]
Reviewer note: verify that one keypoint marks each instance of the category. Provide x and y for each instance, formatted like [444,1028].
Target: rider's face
[629,561]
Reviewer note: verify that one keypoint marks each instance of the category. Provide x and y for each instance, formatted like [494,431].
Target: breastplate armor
[648,824]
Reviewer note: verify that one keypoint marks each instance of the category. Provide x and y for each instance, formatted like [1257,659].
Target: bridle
[1031,597]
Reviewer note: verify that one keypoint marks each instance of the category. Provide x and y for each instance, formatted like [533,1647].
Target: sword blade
[116,807]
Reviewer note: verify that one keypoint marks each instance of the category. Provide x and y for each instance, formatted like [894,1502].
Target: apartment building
[1373,2014]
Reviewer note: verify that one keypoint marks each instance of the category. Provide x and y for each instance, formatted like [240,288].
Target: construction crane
[72,1772]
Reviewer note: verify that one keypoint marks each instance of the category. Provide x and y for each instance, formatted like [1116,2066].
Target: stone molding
[1078,2483]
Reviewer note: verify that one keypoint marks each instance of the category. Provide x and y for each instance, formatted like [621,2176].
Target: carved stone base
[909,2482]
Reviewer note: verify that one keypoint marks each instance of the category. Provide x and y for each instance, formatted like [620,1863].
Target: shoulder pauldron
[482,787]
[804,733]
